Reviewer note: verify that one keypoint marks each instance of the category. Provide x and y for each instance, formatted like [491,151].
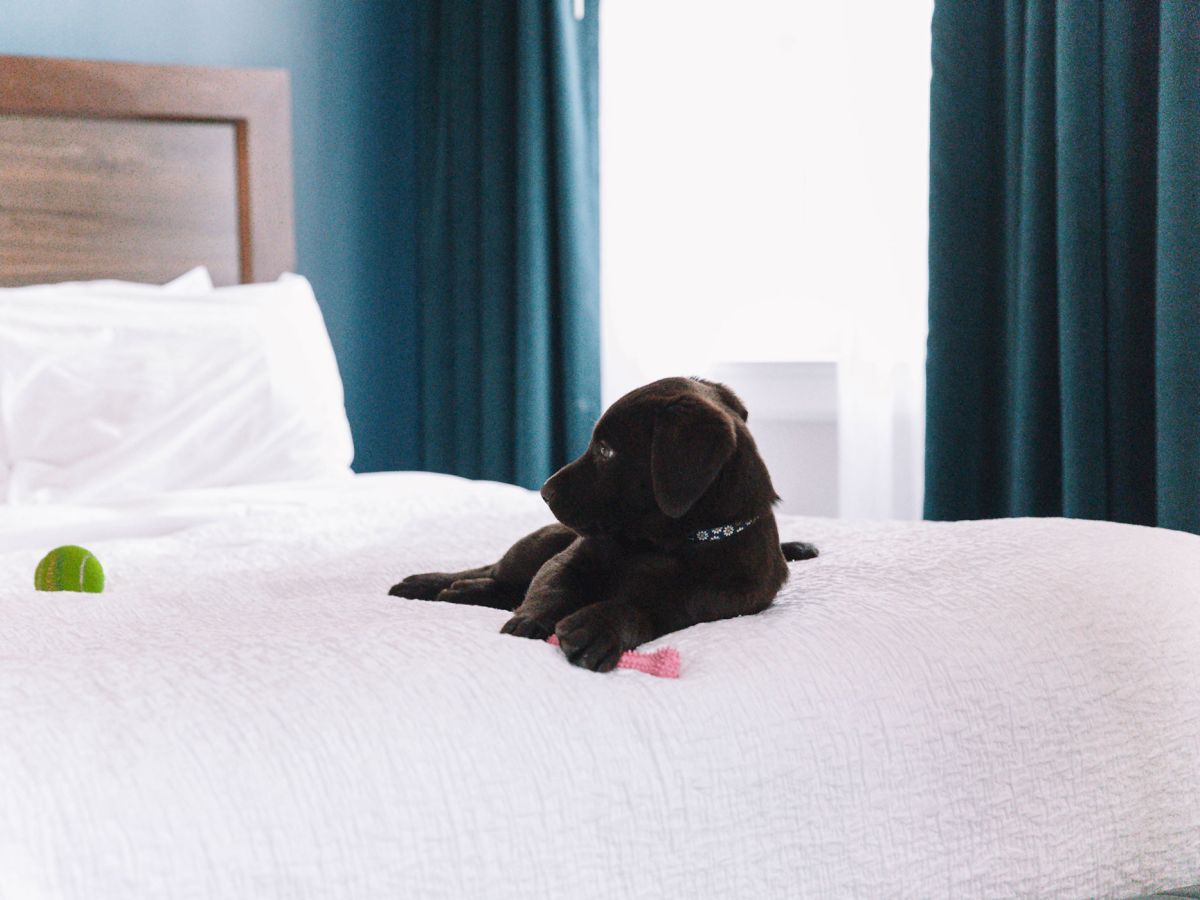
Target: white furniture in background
[840,438]
[793,417]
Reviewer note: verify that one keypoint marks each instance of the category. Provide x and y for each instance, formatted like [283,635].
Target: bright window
[764,200]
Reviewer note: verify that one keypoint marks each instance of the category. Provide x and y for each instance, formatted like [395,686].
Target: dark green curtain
[508,272]
[1064,252]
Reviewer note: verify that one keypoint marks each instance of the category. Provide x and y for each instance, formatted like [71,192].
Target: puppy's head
[660,454]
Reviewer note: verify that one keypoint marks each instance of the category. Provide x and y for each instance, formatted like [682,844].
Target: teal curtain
[1064,253]
[508,259]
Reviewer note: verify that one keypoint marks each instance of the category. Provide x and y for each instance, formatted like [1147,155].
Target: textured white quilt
[1007,708]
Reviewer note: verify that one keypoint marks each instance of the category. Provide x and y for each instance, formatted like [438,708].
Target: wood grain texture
[143,201]
[139,171]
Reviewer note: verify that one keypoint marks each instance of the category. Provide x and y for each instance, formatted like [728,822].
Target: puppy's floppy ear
[726,396]
[692,440]
[733,401]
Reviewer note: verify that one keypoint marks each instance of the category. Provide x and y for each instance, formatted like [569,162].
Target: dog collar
[719,532]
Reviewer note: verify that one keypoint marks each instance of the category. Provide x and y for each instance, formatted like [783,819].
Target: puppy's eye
[604,451]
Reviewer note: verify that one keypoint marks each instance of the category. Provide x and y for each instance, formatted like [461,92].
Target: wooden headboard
[140,172]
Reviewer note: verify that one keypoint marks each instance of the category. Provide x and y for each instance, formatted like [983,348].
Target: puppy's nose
[547,492]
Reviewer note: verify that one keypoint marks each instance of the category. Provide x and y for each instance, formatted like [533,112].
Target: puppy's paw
[425,586]
[526,627]
[469,591]
[798,550]
[482,592]
[590,639]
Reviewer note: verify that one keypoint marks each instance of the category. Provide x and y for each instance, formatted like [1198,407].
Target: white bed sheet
[1006,708]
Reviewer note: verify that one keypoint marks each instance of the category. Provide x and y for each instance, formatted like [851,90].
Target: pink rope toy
[663,662]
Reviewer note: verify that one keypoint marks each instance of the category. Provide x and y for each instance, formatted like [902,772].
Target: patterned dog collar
[719,532]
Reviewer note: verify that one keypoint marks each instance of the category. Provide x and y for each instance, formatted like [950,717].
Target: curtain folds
[509,236]
[1064,300]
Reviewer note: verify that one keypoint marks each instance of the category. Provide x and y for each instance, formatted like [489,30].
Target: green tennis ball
[69,568]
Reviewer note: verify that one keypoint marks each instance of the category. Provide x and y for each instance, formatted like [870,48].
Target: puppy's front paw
[469,591]
[527,627]
[425,586]
[590,640]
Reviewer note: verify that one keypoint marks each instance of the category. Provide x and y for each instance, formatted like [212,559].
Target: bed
[998,708]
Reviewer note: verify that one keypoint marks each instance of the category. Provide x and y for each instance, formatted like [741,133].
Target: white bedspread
[1007,708]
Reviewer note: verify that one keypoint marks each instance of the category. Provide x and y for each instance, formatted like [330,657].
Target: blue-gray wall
[353,72]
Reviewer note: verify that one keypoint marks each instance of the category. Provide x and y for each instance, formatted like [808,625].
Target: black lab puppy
[666,522]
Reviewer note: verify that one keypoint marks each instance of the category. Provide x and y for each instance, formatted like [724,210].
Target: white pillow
[108,394]
[194,281]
